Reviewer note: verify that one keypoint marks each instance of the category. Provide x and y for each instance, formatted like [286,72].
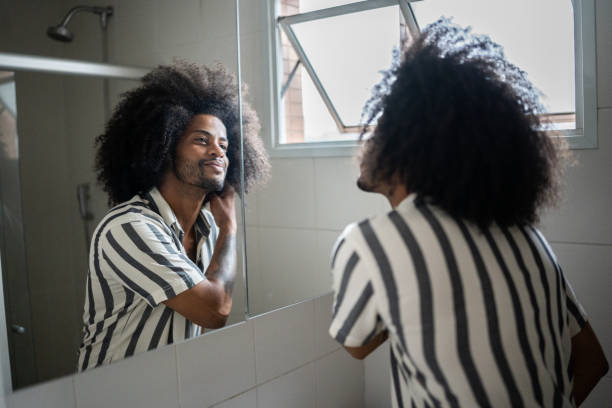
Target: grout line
[178,382]
[599,244]
[74,391]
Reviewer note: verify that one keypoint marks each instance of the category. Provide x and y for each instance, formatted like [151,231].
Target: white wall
[277,360]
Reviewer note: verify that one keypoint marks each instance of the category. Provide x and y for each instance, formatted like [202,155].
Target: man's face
[201,154]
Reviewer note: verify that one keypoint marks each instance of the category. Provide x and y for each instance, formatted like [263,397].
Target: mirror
[50,200]
[292,224]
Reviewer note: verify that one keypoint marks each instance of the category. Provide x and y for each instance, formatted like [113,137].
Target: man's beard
[190,173]
[364,185]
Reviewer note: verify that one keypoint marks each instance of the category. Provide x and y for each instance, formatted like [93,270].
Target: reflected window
[332,53]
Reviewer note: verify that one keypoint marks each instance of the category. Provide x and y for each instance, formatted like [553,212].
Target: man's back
[475,316]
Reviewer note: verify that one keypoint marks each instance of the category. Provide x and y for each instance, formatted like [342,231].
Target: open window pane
[312,5]
[537,36]
[357,47]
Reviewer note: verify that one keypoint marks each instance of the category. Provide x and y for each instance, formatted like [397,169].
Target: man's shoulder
[384,226]
[134,210]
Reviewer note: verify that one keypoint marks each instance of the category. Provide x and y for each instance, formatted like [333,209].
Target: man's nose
[217,151]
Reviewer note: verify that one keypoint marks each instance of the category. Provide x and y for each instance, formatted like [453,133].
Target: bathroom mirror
[292,224]
[52,108]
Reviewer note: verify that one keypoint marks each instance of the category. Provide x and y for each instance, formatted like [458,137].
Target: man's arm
[588,363]
[362,352]
[209,303]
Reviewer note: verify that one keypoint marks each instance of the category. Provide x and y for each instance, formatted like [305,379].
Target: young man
[161,267]
[468,291]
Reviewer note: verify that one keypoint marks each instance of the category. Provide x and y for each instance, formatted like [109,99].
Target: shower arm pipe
[104,12]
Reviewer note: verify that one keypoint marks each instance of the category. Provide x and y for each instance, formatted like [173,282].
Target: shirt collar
[406,202]
[159,204]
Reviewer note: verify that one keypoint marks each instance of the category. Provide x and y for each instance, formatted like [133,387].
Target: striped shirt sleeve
[141,256]
[355,319]
[577,315]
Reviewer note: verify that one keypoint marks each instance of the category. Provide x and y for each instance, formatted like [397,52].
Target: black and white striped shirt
[137,261]
[476,317]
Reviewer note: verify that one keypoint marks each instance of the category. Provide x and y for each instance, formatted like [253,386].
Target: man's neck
[396,194]
[186,201]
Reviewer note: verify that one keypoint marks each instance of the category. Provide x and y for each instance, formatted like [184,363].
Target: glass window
[333,52]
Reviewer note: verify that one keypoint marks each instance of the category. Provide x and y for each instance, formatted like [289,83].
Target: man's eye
[202,140]
[224,147]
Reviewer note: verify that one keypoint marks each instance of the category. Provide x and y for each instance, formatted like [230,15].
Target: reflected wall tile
[584,214]
[217,18]
[295,390]
[207,52]
[145,380]
[339,201]
[288,199]
[179,23]
[246,400]
[134,31]
[284,340]
[53,394]
[601,395]
[214,367]
[339,380]
[56,336]
[251,208]
[287,266]
[587,268]
[255,61]
[324,344]
[603,13]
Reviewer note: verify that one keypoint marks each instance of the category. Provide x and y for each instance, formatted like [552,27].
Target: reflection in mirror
[293,222]
[51,202]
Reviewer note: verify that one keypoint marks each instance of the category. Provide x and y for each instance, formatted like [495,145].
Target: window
[332,52]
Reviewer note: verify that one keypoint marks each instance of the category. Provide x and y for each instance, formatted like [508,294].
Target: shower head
[61,33]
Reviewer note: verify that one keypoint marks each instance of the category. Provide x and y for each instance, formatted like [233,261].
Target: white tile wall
[217,366]
[217,19]
[133,31]
[339,381]
[295,390]
[338,200]
[584,215]
[55,394]
[289,198]
[253,15]
[600,397]
[324,344]
[288,266]
[180,22]
[325,242]
[603,13]
[377,378]
[145,380]
[587,268]
[277,348]
[246,400]
[284,340]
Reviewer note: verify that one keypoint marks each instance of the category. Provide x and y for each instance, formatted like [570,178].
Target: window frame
[583,136]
